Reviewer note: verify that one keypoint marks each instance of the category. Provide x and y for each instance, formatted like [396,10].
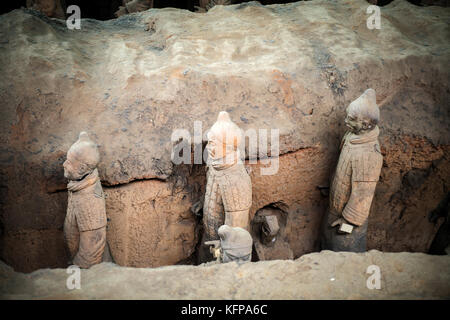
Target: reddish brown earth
[131,81]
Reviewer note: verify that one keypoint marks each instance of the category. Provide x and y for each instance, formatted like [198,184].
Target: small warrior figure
[85,223]
[354,182]
[235,245]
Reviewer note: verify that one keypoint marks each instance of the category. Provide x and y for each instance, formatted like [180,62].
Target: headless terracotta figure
[85,223]
[344,227]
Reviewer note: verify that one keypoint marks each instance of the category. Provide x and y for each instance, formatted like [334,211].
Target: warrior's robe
[352,190]
[85,222]
[228,198]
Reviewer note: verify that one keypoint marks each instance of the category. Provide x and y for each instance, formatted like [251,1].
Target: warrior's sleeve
[357,208]
[366,167]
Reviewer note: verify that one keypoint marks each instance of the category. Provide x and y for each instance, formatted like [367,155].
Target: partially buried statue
[132,6]
[353,186]
[51,8]
[85,223]
[228,195]
[235,245]
[205,5]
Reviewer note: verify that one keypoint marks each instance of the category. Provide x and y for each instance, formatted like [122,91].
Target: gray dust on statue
[85,222]
[228,195]
[344,227]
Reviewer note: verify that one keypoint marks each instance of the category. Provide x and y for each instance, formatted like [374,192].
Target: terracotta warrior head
[82,158]
[224,139]
[236,244]
[363,114]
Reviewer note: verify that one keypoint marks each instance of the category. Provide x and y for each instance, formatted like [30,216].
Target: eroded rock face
[295,67]
[150,224]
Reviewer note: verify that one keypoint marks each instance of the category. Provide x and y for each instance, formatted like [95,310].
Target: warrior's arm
[357,209]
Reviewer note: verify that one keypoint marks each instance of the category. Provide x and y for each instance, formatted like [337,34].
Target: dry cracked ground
[324,275]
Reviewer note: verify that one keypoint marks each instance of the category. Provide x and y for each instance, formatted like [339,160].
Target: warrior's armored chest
[88,206]
[232,186]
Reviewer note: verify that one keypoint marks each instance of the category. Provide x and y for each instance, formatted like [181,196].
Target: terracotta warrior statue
[235,245]
[353,185]
[228,195]
[132,6]
[85,223]
[51,8]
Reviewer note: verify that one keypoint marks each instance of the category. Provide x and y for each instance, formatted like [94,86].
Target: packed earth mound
[324,275]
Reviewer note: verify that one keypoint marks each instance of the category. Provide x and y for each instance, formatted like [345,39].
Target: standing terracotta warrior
[353,185]
[85,223]
[228,194]
[51,8]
